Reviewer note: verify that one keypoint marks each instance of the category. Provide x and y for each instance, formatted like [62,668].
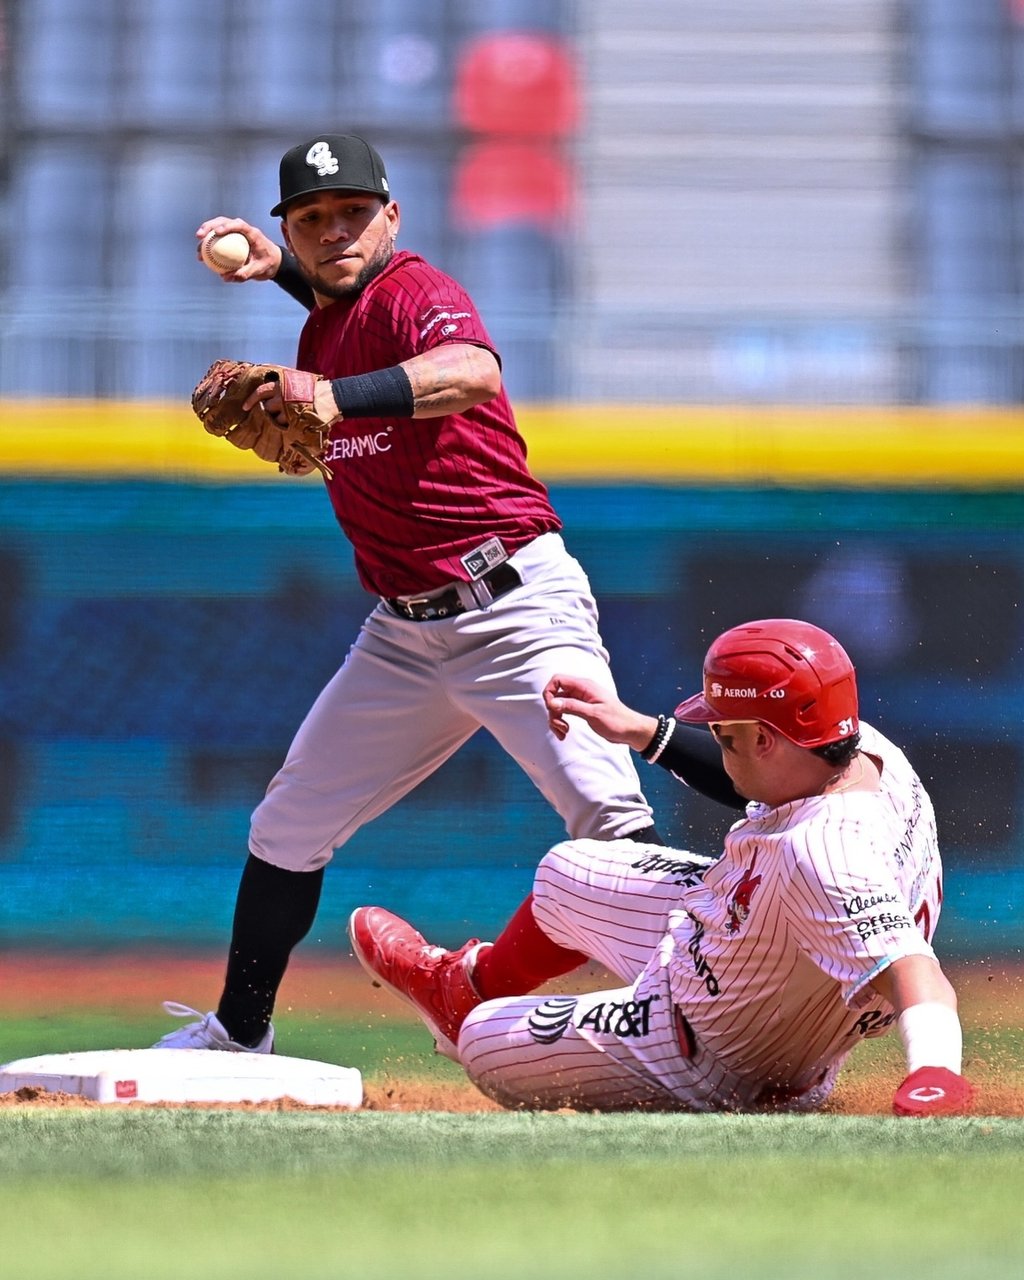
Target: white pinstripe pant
[611,1049]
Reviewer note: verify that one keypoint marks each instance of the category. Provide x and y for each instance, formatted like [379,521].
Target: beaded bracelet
[658,743]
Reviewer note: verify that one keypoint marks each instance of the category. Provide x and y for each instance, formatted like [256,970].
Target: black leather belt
[447,603]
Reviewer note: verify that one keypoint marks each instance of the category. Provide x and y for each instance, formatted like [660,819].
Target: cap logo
[321,158]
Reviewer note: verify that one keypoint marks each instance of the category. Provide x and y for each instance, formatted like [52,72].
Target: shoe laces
[184,1011]
[198,1030]
[202,1032]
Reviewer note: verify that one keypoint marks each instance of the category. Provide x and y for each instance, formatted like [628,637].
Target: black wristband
[387,393]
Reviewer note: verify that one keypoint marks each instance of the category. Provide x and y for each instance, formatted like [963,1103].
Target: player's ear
[393,217]
[765,738]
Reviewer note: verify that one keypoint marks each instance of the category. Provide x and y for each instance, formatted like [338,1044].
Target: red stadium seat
[504,181]
[516,83]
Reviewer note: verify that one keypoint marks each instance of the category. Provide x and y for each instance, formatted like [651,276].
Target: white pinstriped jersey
[749,974]
[771,955]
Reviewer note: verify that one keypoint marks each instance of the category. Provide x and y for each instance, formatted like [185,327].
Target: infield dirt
[991,1004]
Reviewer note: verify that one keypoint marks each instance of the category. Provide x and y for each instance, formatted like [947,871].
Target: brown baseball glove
[296,447]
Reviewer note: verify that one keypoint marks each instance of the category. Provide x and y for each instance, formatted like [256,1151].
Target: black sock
[646,835]
[274,911]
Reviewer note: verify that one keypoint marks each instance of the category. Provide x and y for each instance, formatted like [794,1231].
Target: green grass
[120,1194]
[392,1046]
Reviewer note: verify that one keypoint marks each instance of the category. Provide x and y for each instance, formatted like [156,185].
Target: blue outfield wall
[159,644]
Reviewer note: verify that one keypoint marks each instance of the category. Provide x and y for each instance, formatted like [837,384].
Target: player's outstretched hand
[264,254]
[599,707]
[933,1091]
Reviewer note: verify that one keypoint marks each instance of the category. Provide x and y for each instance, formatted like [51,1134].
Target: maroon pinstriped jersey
[414,495]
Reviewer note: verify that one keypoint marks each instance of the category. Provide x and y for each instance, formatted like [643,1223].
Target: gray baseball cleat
[207,1033]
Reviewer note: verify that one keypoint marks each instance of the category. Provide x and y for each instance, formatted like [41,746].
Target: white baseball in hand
[224,253]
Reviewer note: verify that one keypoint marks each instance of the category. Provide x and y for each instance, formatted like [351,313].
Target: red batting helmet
[785,673]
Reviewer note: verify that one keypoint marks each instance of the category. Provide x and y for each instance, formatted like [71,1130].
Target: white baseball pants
[411,693]
[625,1048]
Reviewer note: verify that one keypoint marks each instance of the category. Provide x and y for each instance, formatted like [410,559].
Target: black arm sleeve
[694,757]
[293,282]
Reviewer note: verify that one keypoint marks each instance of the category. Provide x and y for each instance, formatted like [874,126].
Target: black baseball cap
[331,162]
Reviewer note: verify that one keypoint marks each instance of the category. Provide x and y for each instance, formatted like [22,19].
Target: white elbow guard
[932,1036]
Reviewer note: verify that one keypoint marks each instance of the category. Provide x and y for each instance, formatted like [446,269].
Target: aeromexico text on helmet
[727,691]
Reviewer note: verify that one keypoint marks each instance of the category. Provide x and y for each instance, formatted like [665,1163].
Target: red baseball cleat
[437,983]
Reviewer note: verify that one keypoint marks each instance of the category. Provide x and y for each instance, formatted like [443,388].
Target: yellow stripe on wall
[814,447]
[116,439]
[811,447]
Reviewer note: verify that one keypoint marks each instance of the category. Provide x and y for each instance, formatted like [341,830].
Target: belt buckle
[426,608]
[405,608]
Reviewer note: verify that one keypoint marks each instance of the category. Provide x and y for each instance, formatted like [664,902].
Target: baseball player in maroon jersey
[751,977]
[478,601]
